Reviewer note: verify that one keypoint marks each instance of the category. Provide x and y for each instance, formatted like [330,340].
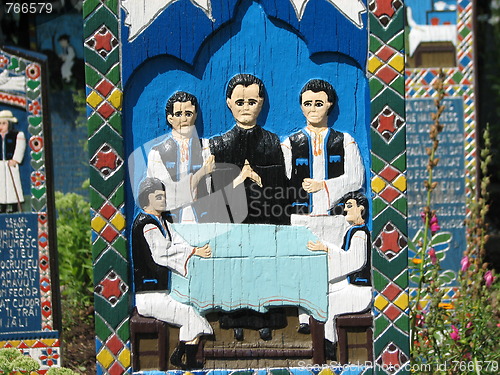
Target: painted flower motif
[37,178]
[35,107]
[36,143]
[33,71]
[489,278]
[465,263]
[3,61]
[434,224]
[416,260]
[49,357]
[454,334]
[432,255]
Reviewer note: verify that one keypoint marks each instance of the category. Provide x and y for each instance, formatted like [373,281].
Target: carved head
[317,100]
[152,195]
[6,121]
[181,111]
[245,97]
[355,207]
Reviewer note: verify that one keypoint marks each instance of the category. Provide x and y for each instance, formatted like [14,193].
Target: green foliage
[12,360]
[61,371]
[74,246]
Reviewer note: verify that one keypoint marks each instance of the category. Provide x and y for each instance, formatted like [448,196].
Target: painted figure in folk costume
[12,147]
[349,266]
[255,151]
[157,250]
[322,164]
[183,161]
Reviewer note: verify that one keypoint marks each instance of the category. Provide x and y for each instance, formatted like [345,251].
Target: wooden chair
[355,338]
[149,338]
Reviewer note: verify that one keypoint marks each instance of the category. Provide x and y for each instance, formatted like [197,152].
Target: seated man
[157,250]
[349,267]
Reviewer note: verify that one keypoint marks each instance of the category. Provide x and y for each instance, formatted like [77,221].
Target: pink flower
[422,215]
[432,255]
[465,263]
[454,334]
[469,325]
[489,278]
[434,224]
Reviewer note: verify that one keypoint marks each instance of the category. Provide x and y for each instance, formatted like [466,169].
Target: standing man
[182,161]
[349,267]
[12,147]
[255,151]
[157,251]
[322,164]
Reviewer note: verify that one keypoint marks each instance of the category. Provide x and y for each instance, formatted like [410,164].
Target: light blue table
[253,266]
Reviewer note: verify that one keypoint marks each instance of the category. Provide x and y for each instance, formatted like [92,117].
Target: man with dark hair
[321,163]
[157,250]
[349,266]
[182,161]
[255,151]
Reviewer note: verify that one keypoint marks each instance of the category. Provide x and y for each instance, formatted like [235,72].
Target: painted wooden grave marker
[450,24]
[29,287]
[188,104]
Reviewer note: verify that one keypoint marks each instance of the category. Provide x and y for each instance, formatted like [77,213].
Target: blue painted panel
[252,270]
[20,305]
[449,196]
[256,44]
[182,27]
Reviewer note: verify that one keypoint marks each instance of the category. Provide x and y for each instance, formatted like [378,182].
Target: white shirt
[335,188]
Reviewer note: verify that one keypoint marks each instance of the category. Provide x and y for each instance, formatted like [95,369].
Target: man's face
[315,106]
[4,126]
[183,118]
[245,104]
[354,213]
[157,201]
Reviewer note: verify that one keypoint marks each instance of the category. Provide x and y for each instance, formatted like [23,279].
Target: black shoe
[176,357]
[304,328]
[265,334]
[330,350]
[238,334]
[191,362]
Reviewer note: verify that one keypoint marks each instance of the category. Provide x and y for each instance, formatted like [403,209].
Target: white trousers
[345,298]
[161,306]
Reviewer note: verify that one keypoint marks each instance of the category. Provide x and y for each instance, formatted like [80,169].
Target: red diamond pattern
[392,291]
[116,369]
[385,53]
[387,74]
[115,345]
[104,88]
[390,194]
[106,110]
[107,211]
[392,312]
[109,233]
[389,173]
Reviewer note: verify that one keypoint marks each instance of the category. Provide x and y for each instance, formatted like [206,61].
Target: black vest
[302,159]
[148,275]
[362,277]
[170,156]
[9,141]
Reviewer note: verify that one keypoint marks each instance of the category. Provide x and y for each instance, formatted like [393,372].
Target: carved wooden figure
[12,154]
